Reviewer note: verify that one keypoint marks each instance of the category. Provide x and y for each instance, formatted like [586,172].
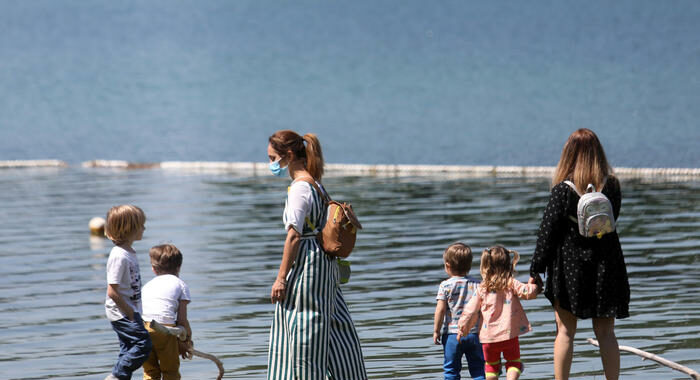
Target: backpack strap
[571,185]
[324,196]
[321,190]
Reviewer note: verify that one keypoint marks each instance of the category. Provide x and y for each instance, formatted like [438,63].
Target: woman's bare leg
[564,343]
[604,329]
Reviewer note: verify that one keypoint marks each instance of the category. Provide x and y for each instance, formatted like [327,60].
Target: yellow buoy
[97,226]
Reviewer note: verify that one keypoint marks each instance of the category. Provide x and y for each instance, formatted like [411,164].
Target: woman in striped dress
[312,335]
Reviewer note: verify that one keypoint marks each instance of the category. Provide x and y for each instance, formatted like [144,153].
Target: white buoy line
[362,169]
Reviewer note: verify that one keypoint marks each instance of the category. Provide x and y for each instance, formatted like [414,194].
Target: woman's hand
[537,281]
[279,291]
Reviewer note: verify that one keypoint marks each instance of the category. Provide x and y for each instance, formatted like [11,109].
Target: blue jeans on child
[134,346]
[470,347]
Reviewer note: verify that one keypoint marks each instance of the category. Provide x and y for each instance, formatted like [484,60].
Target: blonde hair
[123,222]
[165,259]
[582,161]
[307,148]
[459,257]
[497,269]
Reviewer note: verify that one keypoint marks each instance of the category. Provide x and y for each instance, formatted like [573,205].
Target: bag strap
[321,190]
[571,185]
[324,196]
[605,180]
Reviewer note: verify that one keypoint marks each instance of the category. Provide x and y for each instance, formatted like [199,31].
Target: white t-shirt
[299,198]
[123,269]
[161,298]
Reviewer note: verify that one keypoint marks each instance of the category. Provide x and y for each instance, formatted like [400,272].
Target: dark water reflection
[52,287]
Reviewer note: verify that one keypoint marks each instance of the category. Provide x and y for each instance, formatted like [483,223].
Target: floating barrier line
[411,170]
[456,171]
[32,164]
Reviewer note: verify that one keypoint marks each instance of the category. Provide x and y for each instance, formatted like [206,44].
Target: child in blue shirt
[453,294]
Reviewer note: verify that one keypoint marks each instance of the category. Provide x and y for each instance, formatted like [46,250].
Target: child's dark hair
[497,269]
[165,259]
[459,257]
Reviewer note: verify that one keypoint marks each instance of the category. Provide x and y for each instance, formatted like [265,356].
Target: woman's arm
[549,233]
[616,198]
[291,245]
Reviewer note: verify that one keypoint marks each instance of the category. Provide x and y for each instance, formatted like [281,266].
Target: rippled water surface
[52,274]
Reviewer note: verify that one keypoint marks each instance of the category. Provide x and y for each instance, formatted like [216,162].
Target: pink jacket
[503,315]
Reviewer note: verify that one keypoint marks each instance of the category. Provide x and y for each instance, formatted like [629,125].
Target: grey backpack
[594,212]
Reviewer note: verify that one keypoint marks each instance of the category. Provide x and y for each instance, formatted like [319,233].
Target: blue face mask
[277,170]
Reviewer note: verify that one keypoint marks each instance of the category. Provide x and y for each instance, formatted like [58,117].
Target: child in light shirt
[125,224]
[452,295]
[498,303]
[165,300]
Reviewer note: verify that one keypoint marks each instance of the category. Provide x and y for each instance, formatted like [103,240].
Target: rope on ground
[647,355]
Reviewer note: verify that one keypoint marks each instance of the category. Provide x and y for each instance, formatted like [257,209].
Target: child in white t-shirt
[165,300]
[125,225]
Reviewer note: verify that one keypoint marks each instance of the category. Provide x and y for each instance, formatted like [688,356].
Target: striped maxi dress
[312,335]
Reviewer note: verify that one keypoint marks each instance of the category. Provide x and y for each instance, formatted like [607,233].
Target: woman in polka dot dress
[586,277]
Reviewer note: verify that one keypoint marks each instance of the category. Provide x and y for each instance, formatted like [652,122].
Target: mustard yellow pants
[164,359]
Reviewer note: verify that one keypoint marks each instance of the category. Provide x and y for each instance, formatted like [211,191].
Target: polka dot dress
[586,276]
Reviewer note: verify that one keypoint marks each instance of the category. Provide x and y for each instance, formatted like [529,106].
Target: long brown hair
[307,148]
[497,269]
[582,161]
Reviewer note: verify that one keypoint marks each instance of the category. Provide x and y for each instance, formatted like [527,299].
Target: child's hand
[185,348]
[462,328]
[436,337]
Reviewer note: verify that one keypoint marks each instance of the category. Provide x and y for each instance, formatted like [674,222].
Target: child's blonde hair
[123,222]
[165,259]
[497,269]
[459,257]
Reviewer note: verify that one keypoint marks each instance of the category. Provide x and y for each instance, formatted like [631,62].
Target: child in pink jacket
[498,299]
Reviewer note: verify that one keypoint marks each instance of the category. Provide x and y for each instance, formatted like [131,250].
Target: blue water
[229,228]
[449,82]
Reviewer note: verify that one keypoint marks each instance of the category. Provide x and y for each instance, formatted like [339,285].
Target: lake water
[52,273]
